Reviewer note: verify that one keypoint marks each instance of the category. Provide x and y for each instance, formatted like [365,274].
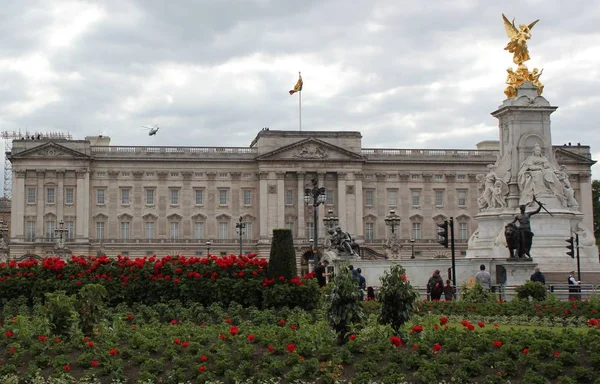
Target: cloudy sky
[406,74]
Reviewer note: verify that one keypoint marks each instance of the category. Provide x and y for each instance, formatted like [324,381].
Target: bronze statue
[519,238]
[342,242]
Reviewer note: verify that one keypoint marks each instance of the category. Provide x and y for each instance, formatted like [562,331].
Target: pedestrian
[484,278]
[448,291]
[362,283]
[321,273]
[435,286]
[370,294]
[538,276]
[574,287]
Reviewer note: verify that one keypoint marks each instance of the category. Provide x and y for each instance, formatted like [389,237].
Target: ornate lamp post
[330,220]
[60,233]
[412,248]
[392,220]
[208,244]
[239,227]
[315,196]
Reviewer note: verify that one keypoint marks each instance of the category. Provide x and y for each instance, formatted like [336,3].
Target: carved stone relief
[311,151]
[272,188]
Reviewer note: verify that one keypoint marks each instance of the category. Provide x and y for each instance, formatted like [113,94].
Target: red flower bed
[154,279]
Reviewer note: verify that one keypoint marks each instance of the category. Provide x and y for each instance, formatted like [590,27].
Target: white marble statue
[568,190]
[537,177]
[494,184]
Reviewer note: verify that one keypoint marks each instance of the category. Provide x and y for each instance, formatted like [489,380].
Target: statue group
[342,242]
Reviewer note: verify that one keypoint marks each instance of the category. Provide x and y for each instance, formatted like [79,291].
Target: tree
[343,303]
[282,260]
[397,297]
[596,208]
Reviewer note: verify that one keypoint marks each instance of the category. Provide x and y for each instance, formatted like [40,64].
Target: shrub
[534,289]
[397,298]
[343,304]
[282,260]
[476,294]
[60,309]
[90,301]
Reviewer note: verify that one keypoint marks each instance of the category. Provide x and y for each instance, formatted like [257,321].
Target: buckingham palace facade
[144,200]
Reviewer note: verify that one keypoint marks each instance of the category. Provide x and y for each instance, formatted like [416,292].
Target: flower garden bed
[149,280]
[171,343]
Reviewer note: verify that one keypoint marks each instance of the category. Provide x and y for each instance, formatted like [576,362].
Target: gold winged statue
[518,40]
[518,47]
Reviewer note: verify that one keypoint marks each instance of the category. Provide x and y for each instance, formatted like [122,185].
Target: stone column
[162,202]
[264,208]
[17,219]
[186,204]
[358,190]
[280,199]
[60,195]
[381,202]
[322,211]
[301,223]
[41,199]
[82,223]
[585,196]
[342,206]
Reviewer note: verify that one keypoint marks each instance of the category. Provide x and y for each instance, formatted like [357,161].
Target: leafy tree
[90,302]
[397,298]
[343,303]
[282,260]
[596,208]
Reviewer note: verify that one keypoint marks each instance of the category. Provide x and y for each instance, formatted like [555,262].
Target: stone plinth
[516,271]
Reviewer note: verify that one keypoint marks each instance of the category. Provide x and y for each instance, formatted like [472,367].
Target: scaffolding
[8,137]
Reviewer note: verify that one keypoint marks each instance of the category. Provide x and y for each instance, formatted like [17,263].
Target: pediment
[311,149]
[439,218]
[562,154]
[50,150]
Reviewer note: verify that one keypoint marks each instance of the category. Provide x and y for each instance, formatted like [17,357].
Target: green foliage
[60,309]
[282,260]
[397,298]
[476,294]
[303,293]
[90,301]
[343,304]
[534,289]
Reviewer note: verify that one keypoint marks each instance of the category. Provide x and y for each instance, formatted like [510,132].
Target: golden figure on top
[518,40]
[518,47]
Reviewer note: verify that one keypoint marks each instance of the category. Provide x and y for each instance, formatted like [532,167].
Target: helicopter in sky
[152,130]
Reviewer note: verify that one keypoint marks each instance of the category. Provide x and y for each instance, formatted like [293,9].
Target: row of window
[415,197]
[69,197]
[174,196]
[49,230]
[199,230]
[224,230]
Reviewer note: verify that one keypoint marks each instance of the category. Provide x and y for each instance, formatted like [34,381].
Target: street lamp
[315,196]
[412,248]
[392,220]
[3,239]
[330,220]
[239,227]
[60,232]
[208,244]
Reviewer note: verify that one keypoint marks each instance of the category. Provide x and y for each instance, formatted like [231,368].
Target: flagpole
[300,106]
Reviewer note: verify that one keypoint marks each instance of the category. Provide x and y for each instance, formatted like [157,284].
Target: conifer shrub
[282,260]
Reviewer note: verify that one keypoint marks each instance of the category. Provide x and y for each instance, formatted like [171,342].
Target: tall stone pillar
[358,187]
[60,195]
[82,224]
[263,192]
[280,199]
[301,223]
[17,218]
[41,200]
[343,210]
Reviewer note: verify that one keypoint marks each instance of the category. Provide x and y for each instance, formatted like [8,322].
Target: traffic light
[443,233]
[570,247]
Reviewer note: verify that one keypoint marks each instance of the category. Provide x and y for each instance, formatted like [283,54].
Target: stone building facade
[143,200]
